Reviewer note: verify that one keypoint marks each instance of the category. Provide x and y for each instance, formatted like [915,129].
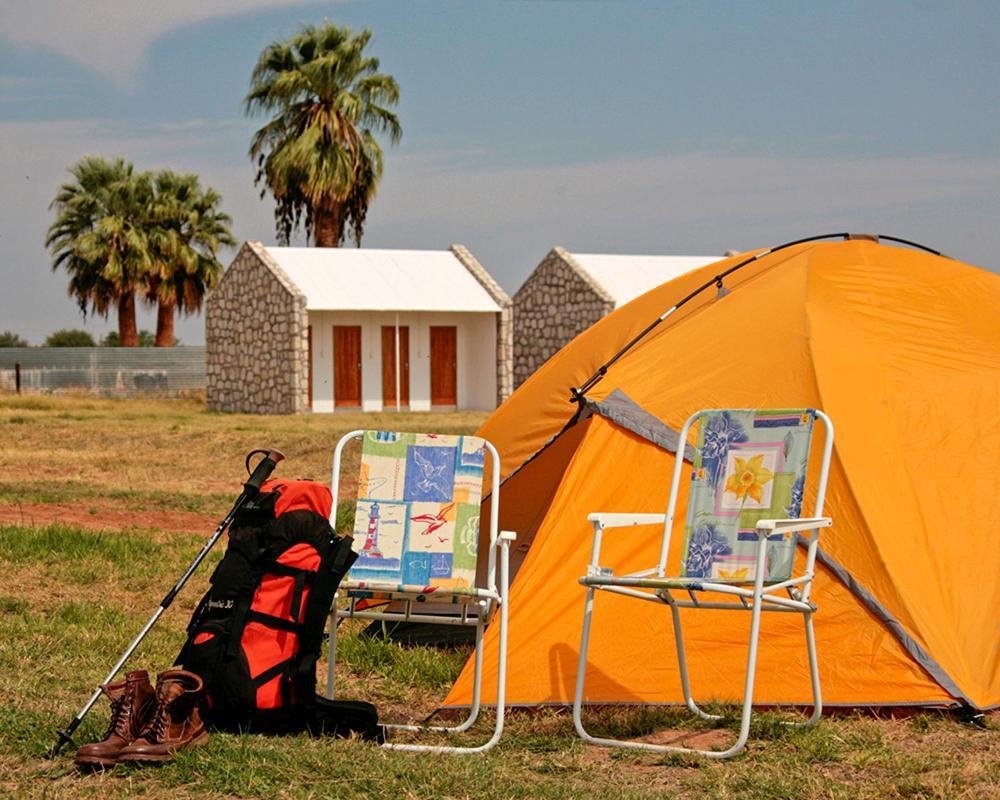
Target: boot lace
[121,712]
[156,726]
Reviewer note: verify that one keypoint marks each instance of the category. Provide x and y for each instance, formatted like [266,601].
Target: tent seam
[910,644]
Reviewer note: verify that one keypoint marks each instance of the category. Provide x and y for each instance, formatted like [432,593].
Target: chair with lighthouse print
[416,536]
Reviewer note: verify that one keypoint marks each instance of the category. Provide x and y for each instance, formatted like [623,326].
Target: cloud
[509,216]
[112,37]
[694,203]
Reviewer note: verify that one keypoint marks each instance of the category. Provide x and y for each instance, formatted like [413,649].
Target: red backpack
[256,635]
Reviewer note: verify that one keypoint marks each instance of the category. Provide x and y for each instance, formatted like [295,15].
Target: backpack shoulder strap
[336,562]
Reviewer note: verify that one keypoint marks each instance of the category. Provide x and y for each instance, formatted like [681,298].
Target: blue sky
[639,127]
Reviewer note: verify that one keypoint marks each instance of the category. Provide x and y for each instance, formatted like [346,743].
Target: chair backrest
[750,464]
[417,517]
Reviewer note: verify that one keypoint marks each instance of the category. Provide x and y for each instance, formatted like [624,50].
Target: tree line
[154,237]
[74,337]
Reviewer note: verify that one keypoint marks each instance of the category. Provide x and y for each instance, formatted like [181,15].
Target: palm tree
[186,231]
[318,155]
[99,237]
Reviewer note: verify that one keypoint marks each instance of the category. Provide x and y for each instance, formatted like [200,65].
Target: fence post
[17,377]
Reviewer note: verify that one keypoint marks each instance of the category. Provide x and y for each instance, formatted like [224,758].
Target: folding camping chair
[747,485]
[416,533]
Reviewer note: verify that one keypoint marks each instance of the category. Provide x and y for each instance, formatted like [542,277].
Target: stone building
[568,292]
[295,329]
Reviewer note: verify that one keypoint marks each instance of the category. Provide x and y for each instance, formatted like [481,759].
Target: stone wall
[558,301]
[256,336]
[505,338]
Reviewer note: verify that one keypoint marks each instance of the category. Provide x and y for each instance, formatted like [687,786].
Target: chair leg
[477,683]
[748,685]
[581,668]
[813,676]
[654,748]
[682,667]
[504,591]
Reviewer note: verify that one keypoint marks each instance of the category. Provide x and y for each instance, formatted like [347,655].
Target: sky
[681,128]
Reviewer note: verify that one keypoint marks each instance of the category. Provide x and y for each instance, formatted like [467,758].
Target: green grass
[72,597]
[421,667]
[61,544]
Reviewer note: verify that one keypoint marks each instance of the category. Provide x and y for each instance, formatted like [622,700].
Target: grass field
[103,504]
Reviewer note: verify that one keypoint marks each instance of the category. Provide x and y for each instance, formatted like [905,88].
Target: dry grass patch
[141,448]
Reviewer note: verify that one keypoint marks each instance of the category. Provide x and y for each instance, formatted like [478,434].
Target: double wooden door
[347,365]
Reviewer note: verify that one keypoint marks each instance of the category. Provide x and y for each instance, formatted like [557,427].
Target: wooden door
[347,366]
[444,366]
[389,366]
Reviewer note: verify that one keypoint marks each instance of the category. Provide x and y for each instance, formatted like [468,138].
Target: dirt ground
[99,516]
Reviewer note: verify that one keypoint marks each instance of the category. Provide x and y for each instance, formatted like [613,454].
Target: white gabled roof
[352,279]
[627,277]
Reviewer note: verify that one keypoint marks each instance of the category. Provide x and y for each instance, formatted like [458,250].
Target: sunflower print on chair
[750,465]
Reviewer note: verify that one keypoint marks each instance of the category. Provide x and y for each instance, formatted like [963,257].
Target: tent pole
[577,394]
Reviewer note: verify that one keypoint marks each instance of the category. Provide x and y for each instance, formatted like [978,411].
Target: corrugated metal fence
[107,371]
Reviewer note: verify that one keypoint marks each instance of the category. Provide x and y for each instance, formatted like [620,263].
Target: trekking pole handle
[263,469]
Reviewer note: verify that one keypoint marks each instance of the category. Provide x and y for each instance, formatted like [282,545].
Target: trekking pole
[251,489]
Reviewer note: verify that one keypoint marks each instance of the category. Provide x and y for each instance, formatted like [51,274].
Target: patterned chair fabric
[749,465]
[416,526]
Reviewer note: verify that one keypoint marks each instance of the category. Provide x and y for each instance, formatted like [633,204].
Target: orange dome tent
[902,349]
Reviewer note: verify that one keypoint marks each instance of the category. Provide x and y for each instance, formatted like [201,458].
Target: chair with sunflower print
[744,521]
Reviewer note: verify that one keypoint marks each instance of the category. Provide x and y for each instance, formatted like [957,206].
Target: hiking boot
[175,723]
[132,704]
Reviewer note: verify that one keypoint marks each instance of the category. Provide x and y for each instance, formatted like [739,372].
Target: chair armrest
[615,520]
[792,525]
[505,536]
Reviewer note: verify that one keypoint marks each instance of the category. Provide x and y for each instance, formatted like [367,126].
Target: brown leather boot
[132,704]
[175,723]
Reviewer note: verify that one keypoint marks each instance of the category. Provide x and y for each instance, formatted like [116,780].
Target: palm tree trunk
[128,335]
[326,225]
[165,324]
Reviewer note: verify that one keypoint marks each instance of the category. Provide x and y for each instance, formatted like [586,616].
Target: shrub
[146,339]
[11,339]
[70,337]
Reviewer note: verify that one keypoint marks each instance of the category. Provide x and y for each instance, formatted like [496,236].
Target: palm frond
[318,152]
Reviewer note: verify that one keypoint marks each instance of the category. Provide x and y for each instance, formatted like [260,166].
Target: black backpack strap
[272,672]
[300,583]
[334,566]
[241,610]
[277,623]
[196,617]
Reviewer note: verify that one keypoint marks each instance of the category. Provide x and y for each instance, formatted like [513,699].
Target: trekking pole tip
[62,739]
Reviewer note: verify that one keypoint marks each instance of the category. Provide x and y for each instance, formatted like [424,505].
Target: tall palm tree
[186,231]
[99,237]
[318,155]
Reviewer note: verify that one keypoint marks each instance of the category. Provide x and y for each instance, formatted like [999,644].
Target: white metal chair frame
[654,585]
[489,599]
